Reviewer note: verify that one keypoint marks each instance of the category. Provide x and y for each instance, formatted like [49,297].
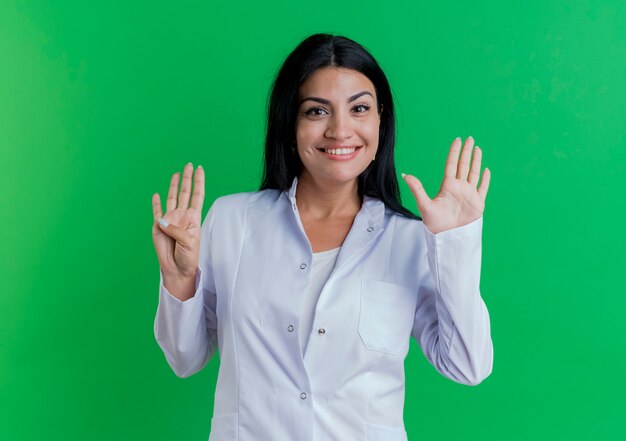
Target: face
[337,125]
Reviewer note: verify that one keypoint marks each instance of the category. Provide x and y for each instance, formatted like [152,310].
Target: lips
[339,149]
[340,152]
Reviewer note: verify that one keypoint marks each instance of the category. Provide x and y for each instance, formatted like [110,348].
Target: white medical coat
[393,278]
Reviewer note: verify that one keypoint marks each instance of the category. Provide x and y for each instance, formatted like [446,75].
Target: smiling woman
[328,94]
[312,287]
[336,140]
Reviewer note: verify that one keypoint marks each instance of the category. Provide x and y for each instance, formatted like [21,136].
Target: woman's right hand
[178,244]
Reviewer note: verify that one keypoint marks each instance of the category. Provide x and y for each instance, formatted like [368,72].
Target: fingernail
[163,222]
[458,138]
[199,166]
[403,175]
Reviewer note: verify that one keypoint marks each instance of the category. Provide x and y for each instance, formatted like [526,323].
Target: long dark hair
[282,164]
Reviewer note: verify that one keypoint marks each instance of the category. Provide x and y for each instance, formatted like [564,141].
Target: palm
[458,202]
[175,257]
[167,247]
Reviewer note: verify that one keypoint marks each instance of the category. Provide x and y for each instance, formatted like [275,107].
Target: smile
[342,154]
[339,151]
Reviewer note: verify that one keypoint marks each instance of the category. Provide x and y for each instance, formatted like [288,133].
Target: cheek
[306,131]
[371,132]
[374,132]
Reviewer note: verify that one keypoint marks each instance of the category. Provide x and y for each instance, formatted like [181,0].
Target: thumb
[174,231]
[418,191]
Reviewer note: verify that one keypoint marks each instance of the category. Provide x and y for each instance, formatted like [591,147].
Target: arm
[452,323]
[186,331]
[451,319]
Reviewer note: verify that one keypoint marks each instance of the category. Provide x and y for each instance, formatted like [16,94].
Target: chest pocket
[386,316]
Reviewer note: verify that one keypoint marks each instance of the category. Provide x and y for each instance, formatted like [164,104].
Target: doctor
[311,287]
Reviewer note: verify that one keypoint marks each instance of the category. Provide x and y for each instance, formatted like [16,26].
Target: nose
[339,127]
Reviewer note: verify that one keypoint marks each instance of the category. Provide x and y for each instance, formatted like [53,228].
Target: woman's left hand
[458,202]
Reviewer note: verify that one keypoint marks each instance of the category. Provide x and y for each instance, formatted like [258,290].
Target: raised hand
[458,202]
[178,244]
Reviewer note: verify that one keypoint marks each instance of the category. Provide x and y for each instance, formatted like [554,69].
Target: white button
[290,328]
[303,266]
[303,396]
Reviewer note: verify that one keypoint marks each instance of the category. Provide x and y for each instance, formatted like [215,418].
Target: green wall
[101,102]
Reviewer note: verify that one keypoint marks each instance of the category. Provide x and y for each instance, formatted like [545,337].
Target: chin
[344,177]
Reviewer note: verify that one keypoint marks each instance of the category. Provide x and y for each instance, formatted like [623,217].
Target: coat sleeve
[452,323]
[187,331]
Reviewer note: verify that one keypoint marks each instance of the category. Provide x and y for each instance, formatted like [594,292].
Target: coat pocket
[224,427]
[386,316]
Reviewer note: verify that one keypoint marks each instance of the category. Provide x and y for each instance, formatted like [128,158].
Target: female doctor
[311,287]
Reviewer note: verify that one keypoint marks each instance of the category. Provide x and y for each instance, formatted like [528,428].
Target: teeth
[340,151]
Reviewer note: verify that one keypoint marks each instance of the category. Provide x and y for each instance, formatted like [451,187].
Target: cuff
[474,227]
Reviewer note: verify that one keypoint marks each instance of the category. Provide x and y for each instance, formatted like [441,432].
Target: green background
[101,102]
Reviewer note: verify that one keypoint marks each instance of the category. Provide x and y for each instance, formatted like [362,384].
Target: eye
[313,110]
[362,106]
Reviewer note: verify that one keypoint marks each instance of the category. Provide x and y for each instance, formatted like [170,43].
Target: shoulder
[237,204]
[403,223]
[229,214]
[407,235]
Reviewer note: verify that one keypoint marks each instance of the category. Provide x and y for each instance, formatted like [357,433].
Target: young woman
[311,287]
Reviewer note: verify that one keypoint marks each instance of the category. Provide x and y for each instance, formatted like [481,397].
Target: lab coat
[393,279]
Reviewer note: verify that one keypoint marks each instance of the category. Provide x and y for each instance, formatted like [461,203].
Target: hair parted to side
[282,163]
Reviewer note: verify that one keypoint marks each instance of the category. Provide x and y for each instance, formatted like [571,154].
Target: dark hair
[282,164]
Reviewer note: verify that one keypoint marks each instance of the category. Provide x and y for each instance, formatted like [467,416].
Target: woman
[311,287]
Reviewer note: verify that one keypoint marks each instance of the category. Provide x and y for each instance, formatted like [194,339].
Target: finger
[484,184]
[418,191]
[464,161]
[177,233]
[453,157]
[172,193]
[185,191]
[198,190]
[157,212]
[474,174]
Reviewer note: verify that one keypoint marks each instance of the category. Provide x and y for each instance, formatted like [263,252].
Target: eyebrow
[323,101]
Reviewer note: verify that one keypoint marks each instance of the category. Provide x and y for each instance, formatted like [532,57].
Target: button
[290,328]
[370,229]
[303,396]
[321,331]
[302,265]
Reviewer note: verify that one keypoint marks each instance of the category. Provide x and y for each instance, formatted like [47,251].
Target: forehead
[335,81]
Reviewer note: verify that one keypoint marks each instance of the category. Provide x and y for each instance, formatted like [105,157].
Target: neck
[323,200]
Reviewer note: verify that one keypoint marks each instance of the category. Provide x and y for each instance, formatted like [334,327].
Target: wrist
[181,287]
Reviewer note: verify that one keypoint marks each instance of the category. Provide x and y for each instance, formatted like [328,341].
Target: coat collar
[372,208]
[367,225]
